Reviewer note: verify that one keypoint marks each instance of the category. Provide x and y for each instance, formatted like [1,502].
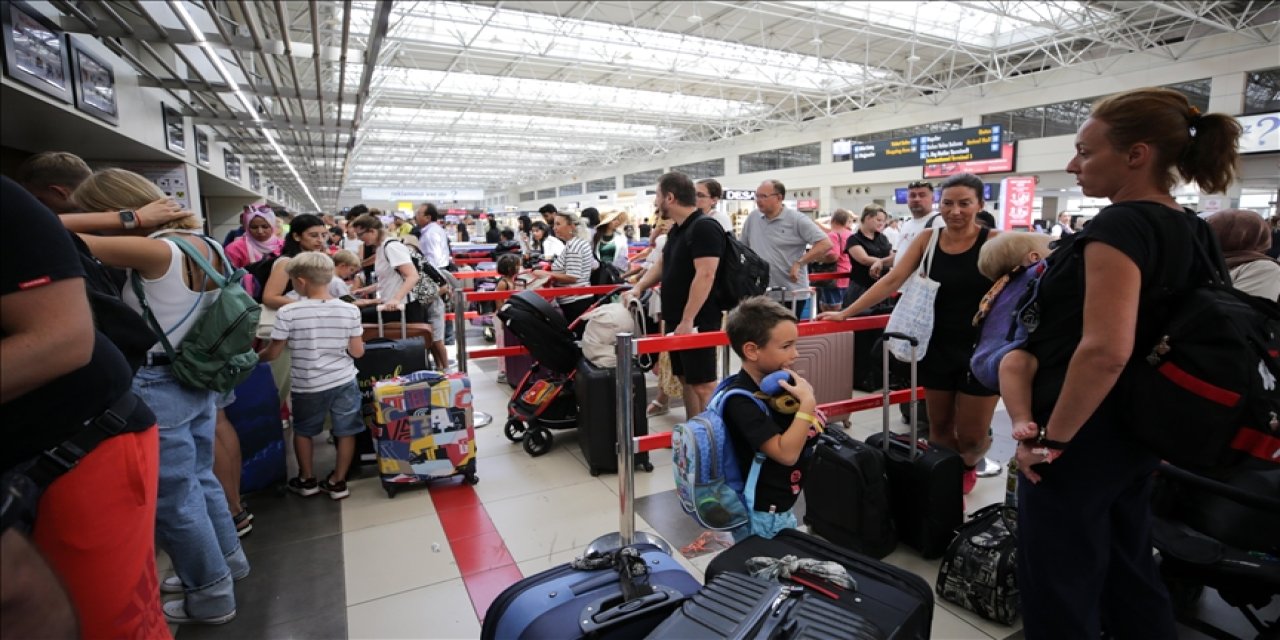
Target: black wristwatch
[1043,440]
[129,219]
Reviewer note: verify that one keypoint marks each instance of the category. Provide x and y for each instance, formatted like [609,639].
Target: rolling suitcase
[623,587]
[516,366]
[256,416]
[383,358]
[895,601]
[734,606]
[924,481]
[597,422]
[424,429]
[846,495]
[820,360]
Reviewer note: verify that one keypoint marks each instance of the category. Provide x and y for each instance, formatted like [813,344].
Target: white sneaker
[172,584]
[175,611]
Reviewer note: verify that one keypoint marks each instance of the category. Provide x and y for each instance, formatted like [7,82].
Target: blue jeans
[192,522]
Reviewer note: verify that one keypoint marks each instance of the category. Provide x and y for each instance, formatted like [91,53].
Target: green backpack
[217,353]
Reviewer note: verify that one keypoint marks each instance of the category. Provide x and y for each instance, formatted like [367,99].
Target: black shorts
[946,368]
[697,366]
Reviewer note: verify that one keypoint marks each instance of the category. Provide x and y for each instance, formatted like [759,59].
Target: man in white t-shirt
[1063,228]
[920,203]
[432,239]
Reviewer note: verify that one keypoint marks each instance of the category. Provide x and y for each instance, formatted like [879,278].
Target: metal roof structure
[331,96]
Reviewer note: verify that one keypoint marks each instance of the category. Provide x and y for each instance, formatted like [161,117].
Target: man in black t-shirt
[96,522]
[688,273]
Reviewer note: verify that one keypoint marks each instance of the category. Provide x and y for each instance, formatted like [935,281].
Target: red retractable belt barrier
[546,292]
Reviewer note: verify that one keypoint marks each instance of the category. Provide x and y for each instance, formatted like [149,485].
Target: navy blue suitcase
[256,416]
[564,602]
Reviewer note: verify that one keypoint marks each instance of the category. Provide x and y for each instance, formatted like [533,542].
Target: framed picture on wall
[254,182]
[35,51]
[175,129]
[232,168]
[202,148]
[95,83]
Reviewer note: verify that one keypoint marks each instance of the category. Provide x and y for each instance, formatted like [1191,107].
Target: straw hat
[610,216]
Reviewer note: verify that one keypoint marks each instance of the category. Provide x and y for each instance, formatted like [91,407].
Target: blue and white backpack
[708,481]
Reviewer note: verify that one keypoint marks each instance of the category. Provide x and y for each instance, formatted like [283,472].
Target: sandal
[243,522]
[657,409]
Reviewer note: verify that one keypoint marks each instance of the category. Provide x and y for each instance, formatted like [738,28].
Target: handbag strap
[926,263]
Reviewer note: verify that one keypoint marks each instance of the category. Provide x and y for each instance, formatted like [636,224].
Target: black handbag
[978,571]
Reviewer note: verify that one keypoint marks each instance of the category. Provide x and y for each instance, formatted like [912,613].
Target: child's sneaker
[337,489]
[304,488]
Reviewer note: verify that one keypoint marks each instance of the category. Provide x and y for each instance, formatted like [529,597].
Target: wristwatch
[129,219]
[1042,439]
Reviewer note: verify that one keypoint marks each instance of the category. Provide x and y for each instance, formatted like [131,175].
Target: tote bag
[913,314]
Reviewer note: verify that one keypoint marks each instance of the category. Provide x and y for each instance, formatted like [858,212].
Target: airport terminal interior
[491,110]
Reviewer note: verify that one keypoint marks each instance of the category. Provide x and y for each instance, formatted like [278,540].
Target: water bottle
[1011,484]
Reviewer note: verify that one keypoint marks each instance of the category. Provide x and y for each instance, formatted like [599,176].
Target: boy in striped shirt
[324,335]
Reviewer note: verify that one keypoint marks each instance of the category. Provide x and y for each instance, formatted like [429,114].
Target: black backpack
[1204,385]
[741,273]
[261,272]
[126,328]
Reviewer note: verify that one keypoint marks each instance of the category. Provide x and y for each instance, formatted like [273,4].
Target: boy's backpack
[217,353]
[427,288]
[1001,329]
[708,481]
[1203,388]
[741,273]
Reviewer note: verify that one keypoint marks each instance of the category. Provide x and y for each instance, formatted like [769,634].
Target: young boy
[323,334]
[346,266]
[1010,260]
[763,333]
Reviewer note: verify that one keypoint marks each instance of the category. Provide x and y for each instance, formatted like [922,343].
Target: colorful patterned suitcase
[424,429]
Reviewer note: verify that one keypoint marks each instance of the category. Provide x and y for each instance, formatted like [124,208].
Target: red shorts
[96,527]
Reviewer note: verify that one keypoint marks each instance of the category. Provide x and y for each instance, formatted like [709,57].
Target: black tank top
[962,289]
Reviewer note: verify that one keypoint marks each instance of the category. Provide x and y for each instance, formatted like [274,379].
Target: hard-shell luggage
[597,422]
[256,416]
[846,495]
[896,601]
[624,584]
[383,358]
[567,602]
[925,484]
[424,429]
[820,360]
[735,606]
[515,366]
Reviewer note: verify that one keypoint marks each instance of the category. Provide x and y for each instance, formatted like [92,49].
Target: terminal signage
[739,194]
[964,145]
[1261,132]
[1017,202]
[1003,164]
[419,194]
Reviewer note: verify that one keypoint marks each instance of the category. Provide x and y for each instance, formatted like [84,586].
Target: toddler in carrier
[1015,261]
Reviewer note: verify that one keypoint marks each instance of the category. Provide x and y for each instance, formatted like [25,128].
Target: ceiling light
[913,58]
[816,40]
[694,18]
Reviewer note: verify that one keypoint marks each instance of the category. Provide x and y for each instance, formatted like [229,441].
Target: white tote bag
[913,314]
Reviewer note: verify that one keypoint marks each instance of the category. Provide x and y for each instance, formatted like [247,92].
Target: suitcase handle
[913,409]
[599,615]
[404,322]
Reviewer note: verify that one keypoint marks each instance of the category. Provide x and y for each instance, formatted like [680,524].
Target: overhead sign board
[1261,132]
[739,194]
[963,145]
[420,194]
[1003,164]
[1017,203]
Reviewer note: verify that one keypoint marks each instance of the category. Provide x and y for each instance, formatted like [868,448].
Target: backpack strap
[191,252]
[723,393]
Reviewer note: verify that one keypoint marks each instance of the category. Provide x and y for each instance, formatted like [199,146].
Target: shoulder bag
[913,315]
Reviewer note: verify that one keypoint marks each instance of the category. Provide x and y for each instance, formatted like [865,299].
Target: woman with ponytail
[1084,514]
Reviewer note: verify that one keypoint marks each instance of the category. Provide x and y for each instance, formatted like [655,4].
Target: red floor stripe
[483,560]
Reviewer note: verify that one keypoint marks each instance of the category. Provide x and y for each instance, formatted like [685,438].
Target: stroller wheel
[538,441]
[1184,593]
[514,430]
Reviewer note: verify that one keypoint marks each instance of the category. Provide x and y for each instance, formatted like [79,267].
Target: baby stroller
[1222,533]
[544,398]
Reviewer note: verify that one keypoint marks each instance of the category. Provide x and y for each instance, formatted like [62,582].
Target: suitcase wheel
[471,478]
[647,466]
[489,335]
[538,441]
[391,489]
[514,430]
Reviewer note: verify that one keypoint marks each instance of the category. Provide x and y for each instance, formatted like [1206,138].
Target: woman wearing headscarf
[259,239]
[1245,240]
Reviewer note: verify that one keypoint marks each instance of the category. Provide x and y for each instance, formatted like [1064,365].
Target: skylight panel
[994,24]
[480,28]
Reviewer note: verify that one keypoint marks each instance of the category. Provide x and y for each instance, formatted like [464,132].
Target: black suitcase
[597,396]
[846,495]
[734,606]
[925,485]
[383,358]
[897,602]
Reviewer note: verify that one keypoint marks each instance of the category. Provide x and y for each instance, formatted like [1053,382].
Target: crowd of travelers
[159,468]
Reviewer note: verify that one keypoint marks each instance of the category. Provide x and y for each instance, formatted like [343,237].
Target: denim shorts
[341,402]
[766,524]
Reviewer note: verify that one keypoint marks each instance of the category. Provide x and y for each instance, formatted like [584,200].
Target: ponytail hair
[1199,148]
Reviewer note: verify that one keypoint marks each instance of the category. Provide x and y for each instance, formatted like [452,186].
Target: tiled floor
[426,564]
